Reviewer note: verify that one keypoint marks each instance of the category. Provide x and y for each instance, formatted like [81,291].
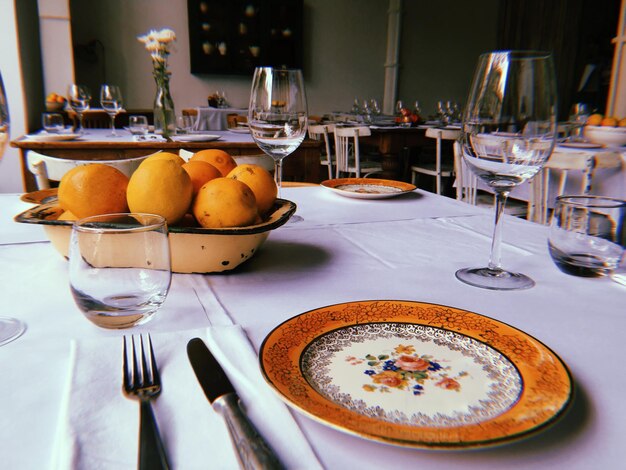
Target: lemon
[162,187]
[93,189]
[225,202]
[216,157]
[260,181]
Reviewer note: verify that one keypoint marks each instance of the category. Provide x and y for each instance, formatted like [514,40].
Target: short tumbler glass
[138,125]
[587,235]
[119,268]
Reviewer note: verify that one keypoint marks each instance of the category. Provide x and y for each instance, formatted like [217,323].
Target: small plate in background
[368,188]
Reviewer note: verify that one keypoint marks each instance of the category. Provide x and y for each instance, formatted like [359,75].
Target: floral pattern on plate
[338,364]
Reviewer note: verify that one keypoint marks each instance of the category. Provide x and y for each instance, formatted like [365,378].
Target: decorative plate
[41,196]
[52,137]
[416,374]
[195,137]
[367,188]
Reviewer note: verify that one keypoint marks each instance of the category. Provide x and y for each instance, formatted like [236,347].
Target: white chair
[317,132]
[348,153]
[46,168]
[438,169]
[562,163]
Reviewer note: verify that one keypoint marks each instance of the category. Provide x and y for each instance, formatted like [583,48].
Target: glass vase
[164,114]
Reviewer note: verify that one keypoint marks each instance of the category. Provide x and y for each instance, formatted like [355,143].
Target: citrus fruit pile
[605,121]
[210,190]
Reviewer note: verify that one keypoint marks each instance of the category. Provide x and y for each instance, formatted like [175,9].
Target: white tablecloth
[404,248]
[214,119]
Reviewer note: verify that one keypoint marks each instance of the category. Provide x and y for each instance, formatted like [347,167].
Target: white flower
[166,36]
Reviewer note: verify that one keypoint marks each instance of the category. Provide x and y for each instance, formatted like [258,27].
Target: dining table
[211,118]
[61,391]
[99,145]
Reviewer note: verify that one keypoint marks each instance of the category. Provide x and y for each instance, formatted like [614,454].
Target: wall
[21,72]
[344,47]
[440,44]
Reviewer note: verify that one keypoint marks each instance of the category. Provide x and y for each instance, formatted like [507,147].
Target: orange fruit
[200,172]
[67,215]
[260,181]
[609,122]
[160,187]
[93,189]
[595,119]
[225,202]
[216,157]
[165,156]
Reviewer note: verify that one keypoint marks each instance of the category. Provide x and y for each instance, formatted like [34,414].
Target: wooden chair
[317,132]
[439,169]
[47,169]
[233,120]
[348,154]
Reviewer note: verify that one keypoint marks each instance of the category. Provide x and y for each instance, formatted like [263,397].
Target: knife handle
[252,450]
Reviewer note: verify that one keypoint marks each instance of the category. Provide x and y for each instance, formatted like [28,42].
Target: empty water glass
[119,268]
[587,235]
[52,123]
[138,125]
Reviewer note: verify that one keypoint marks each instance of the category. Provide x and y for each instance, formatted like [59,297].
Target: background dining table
[60,393]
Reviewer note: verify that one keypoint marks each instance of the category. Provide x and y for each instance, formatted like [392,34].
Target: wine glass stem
[278,174]
[113,124]
[495,257]
[80,122]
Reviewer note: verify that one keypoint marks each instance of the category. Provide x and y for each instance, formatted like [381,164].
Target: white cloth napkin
[99,426]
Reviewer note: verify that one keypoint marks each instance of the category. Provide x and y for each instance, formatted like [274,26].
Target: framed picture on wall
[233,37]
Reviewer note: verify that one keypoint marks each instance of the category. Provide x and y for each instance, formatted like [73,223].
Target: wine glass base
[494,279]
[10,329]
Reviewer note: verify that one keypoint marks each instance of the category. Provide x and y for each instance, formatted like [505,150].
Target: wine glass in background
[577,118]
[78,98]
[508,133]
[277,115]
[399,106]
[10,328]
[111,102]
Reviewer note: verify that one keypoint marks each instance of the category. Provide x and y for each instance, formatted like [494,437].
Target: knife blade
[253,451]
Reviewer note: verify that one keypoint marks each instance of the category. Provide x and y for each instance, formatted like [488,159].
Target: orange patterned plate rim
[368,188]
[416,374]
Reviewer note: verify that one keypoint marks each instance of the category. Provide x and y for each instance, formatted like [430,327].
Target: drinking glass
[10,328]
[119,267]
[78,98]
[277,116]
[52,122]
[577,119]
[111,102]
[508,133]
[587,235]
[138,125]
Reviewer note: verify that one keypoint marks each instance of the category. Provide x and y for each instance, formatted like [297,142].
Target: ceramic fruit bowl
[606,135]
[194,249]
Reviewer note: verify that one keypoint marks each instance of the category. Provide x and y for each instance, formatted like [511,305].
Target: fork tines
[135,376]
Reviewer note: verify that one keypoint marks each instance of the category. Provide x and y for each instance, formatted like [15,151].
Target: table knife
[252,450]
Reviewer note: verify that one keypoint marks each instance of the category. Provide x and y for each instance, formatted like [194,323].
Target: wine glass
[10,328]
[111,102]
[78,97]
[508,133]
[277,116]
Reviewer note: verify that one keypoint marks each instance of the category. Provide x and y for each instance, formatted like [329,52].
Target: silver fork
[144,383]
